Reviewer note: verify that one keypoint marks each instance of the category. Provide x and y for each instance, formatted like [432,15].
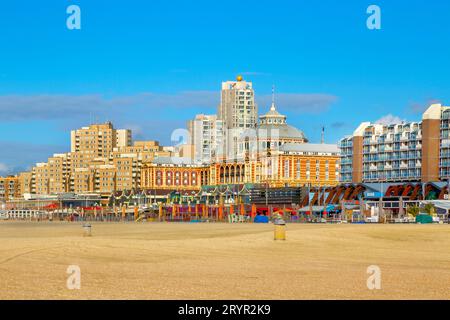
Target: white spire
[272,108]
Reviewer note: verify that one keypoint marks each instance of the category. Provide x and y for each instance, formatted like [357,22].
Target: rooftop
[310,147]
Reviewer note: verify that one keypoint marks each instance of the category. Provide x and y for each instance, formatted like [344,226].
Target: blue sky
[152,65]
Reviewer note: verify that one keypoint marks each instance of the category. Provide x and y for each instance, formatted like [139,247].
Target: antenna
[273,98]
[273,94]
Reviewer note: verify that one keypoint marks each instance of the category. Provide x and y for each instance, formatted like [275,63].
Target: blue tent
[261,219]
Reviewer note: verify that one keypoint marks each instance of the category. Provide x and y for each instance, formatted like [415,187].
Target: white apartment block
[206,133]
[404,152]
[238,111]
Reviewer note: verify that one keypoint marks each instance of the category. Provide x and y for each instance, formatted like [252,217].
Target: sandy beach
[223,261]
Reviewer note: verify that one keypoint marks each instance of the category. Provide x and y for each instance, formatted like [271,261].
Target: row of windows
[287,163]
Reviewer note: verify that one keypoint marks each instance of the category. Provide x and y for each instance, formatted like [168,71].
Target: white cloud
[4,168]
[420,107]
[17,157]
[298,102]
[47,107]
[389,119]
[28,107]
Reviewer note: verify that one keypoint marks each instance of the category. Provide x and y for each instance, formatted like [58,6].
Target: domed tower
[271,133]
[272,117]
[274,129]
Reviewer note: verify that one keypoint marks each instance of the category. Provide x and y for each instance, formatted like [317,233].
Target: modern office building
[404,152]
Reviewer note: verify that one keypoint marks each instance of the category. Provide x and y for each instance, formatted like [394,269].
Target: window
[286,168]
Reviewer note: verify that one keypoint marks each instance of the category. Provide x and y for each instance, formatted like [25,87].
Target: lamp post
[267,194]
[381,200]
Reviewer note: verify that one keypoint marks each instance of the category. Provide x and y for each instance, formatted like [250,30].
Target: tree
[413,210]
[429,209]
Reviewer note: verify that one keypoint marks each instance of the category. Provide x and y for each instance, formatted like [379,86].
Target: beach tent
[261,219]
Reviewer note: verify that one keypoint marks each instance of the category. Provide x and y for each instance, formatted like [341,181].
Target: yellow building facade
[9,188]
[293,166]
[165,174]
[102,160]
[302,165]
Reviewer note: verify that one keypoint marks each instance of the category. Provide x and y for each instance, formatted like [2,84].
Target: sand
[223,261]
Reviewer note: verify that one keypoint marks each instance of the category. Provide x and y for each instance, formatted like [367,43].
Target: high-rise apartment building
[123,138]
[238,111]
[25,183]
[413,151]
[98,140]
[102,160]
[59,172]
[41,181]
[237,104]
[9,187]
[206,133]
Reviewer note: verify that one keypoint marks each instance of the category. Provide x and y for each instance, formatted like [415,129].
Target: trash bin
[280,229]
[87,230]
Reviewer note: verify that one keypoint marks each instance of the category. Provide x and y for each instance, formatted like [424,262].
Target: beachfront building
[272,152]
[296,165]
[292,165]
[282,155]
[102,160]
[173,173]
[9,188]
[59,168]
[25,183]
[240,172]
[238,112]
[403,152]
[230,148]
[206,135]
[270,134]
[98,140]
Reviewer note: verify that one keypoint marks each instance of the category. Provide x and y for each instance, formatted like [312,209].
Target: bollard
[87,230]
[280,229]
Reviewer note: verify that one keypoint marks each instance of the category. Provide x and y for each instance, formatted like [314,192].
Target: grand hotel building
[272,153]
[406,152]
